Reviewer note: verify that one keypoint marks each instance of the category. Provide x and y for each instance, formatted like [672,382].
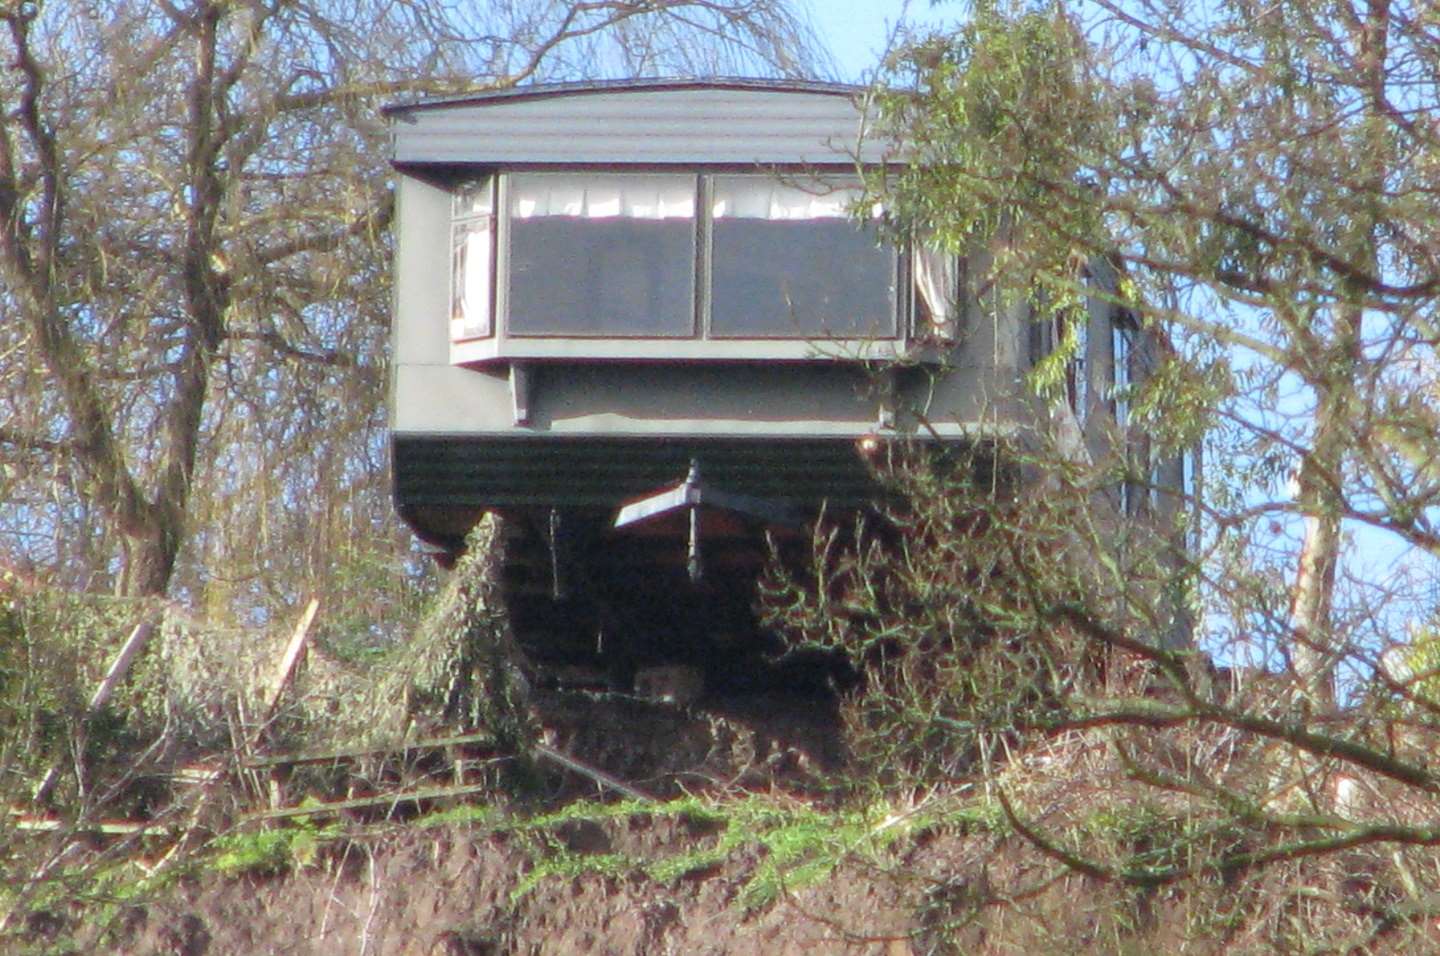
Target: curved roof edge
[651,84]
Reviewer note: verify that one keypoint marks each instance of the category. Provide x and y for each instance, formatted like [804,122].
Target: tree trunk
[1335,375]
[1313,654]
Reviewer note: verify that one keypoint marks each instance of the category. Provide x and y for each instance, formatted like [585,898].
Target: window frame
[701,344]
[461,221]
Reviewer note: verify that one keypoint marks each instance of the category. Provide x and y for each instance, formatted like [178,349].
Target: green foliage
[372,604]
[688,808]
[802,847]
[565,866]
[1048,376]
[102,886]
[994,119]
[1145,837]
[1421,677]
[272,849]
[956,606]
[54,648]
[461,665]
[792,845]
[479,815]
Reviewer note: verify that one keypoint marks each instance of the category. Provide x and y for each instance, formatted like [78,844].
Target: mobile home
[650,322]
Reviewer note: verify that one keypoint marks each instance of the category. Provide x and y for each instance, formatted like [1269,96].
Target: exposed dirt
[402,889]
[408,888]
[449,893]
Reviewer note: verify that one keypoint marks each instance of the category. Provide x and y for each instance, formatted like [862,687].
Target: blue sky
[856,30]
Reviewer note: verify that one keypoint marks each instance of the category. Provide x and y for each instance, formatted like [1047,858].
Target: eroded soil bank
[465,891]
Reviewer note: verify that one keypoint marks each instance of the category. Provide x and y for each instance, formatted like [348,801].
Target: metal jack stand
[691,495]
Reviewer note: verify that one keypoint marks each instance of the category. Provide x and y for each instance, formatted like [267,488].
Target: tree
[193,213]
[1262,175]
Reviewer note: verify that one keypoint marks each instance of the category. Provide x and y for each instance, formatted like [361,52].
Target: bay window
[681,258]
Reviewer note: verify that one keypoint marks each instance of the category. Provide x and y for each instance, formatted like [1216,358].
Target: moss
[272,850]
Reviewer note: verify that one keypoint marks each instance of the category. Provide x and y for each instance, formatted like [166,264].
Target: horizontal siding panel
[670,126]
[459,472]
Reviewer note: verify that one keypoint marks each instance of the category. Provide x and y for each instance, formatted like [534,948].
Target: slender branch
[30,442]
[1225,863]
[371,222]
[1058,853]
[277,342]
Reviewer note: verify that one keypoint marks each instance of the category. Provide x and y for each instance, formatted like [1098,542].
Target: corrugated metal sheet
[645,125]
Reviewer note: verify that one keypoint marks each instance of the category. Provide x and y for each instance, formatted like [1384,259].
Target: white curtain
[470,312]
[602,196]
[605,196]
[757,197]
[937,281]
[473,199]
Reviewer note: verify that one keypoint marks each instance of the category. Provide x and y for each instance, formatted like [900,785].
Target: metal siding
[687,399]
[638,127]
[499,473]
[657,399]
[422,274]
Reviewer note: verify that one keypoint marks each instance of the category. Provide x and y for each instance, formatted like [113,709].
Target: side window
[1074,327]
[1132,357]
[472,261]
[1068,330]
[788,262]
[601,254]
[1134,495]
[1123,357]
[1190,473]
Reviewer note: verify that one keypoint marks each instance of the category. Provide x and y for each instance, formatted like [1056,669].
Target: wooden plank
[119,667]
[360,803]
[434,793]
[289,663]
[331,756]
[291,660]
[437,793]
[139,636]
[37,823]
[248,742]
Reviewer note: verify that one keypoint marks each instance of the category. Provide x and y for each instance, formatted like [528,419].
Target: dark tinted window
[789,262]
[602,255]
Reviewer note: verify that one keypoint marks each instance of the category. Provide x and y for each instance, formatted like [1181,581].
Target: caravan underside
[622,555]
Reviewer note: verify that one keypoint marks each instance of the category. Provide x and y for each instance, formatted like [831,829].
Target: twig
[354,753]
[599,776]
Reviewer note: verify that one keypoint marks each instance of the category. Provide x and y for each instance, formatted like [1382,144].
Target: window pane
[1075,328]
[1120,357]
[473,198]
[788,262]
[470,302]
[472,261]
[602,255]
